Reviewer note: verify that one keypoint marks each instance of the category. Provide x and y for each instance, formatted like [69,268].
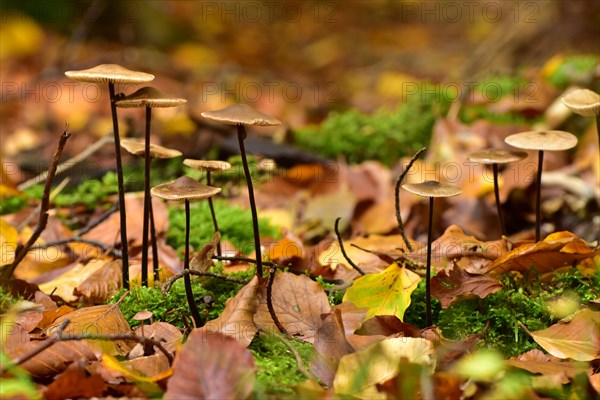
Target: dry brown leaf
[455,284]
[29,319]
[211,366]
[65,284]
[51,316]
[388,325]
[555,251]
[74,382]
[237,319]
[150,366]
[352,316]
[102,284]
[104,320]
[162,330]
[536,362]
[298,302]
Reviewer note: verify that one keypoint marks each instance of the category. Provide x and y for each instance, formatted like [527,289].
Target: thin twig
[70,163]
[270,302]
[339,237]
[167,285]
[75,239]
[100,219]
[397,194]
[21,251]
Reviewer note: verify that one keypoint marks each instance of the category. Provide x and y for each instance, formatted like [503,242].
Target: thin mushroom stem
[428,319]
[146,217]
[241,136]
[186,266]
[397,198]
[497,195]
[155,265]
[121,186]
[538,197]
[213,215]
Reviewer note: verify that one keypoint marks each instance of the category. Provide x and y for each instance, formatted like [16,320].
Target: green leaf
[385,293]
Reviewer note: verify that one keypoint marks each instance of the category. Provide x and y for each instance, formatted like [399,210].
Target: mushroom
[210,166]
[584,102]
[241,115]
[494,157]
[431,189]
[541,141]
[186,189]
[111,74]
[149,98]
[138,148]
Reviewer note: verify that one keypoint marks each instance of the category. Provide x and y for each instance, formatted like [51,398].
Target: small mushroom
[541,141]
[138,148]
[186,189]
[149,98]
[210,166]
[431,189]
[241,115]
[586,103]
[495,157]
[111,74]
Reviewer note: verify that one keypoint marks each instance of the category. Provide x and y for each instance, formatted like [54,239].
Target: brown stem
[186,266]
[538,197]
[341,243]
[214,216]
[155,265]
[397,196]
[121,187]
[270,302]
[146,212]
[497,195]
[428,319]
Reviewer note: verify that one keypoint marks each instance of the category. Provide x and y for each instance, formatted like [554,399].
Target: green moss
[12,204]
[7,300]
[385,135]
[235,225]
[277,368]
[573,69]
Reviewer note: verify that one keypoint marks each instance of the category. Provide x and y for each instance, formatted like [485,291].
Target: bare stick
[339,237]
[270,302]
[21,251]
[397,193]
[167,285]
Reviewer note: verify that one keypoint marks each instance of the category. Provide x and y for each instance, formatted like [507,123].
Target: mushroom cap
[149,96]
[543,140]
[184,188]
[143,315]
[137,148]
[432,189]
[109,73]
[240,114]
[496,156]
[207,165]
[584,102]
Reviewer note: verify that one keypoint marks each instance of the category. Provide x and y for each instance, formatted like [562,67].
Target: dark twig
[76,239]
[397,194]
[100,219]
[339,237]
[270,302]
[44,206]
[167,285]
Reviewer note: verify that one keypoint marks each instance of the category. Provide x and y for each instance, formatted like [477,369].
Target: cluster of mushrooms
[186,189]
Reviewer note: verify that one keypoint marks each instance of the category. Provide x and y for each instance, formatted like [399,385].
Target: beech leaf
[454,284]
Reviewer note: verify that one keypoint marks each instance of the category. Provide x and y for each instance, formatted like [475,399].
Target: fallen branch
[339,237]
[397,193]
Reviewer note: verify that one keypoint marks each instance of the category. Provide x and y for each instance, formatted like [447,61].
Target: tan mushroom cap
[432,189]
[240,114]
[584,102]
[184,188]
[143,315]
[149,96]
[137,148]
[496,156]
[207,165]
[543,140]
[109,72]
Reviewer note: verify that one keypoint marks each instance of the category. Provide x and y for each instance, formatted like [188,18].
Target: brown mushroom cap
[496,156]
[137,148]
[240,114]
[184,188]
[207,165]
[543,140]
[143,315]
[149,96]
[583,102]
[432,189]
[109,72]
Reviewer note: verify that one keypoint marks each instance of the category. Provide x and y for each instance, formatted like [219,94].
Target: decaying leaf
[455,284]
[74,382]
[211,366]
[536,362]
[298,302]
[162,330]
[65,284]
[385,293]
[103,283]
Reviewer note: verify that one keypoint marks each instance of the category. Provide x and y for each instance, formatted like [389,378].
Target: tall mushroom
[111,74]
[495,157]
[584,102]
[431,189]
[149,98]
[186,189]
[210,166]
[541,141]
[241,115]
[138,148]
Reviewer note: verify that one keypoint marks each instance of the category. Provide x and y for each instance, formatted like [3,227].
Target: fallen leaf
[50,316]
[352,316]
[74,382]
[578,339]
[65,284]
[455,284]
[536,362]
[155,366]
[388,325]
[8,242]
[385,293]
[101,284]
[298,302]
[162,330]
[211,366]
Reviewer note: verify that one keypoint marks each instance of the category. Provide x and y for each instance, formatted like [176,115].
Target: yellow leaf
[65,283]
[385,293]
[8,242]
